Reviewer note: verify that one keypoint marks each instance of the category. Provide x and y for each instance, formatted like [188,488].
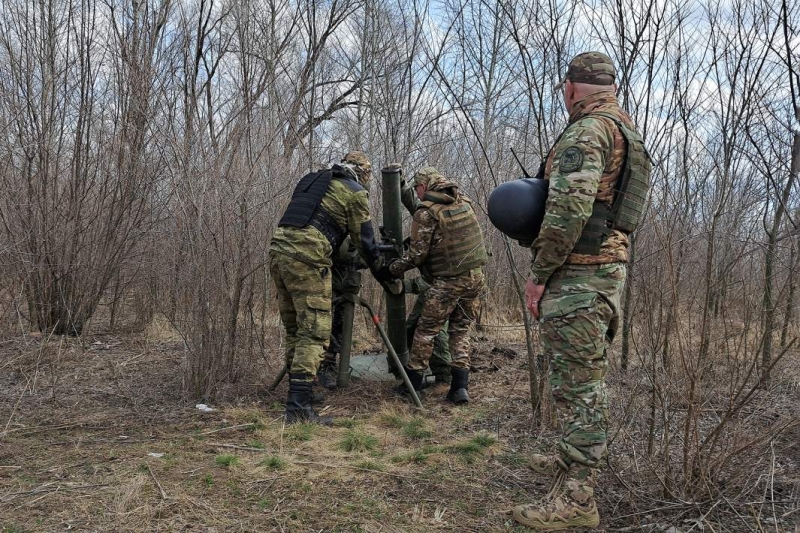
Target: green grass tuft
[264,504]
[432,448]
[370,465]
[345,423]
[301,432]
[415,456]
[468,448]
[274,462]
[475,446]
[393,419]
[416,429]
[227,460]
[483,440]
[358,441]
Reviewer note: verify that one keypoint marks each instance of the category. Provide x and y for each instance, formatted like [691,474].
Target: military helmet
[516,208]
[594,68]
[425,175]
[361,165]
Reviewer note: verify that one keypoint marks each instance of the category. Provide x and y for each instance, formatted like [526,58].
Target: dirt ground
[95,435]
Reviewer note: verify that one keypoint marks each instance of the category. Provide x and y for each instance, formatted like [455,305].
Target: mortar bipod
[392,353]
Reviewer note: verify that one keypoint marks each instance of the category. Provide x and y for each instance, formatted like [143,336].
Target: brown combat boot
[570,504]
[546,465]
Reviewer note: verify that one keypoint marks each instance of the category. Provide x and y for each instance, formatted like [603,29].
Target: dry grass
[161,330]
[101,440]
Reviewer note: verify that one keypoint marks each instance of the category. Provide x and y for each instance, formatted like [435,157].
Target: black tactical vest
[305,208]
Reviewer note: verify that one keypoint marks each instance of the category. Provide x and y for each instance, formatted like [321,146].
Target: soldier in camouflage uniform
[326,206]
[577,276]
[447,247]
[440,355]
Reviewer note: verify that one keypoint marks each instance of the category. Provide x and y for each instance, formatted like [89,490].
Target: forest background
[148,147]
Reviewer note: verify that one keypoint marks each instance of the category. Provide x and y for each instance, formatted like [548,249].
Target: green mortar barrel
[393,230]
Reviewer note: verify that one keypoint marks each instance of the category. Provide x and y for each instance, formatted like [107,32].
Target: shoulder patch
[571,160]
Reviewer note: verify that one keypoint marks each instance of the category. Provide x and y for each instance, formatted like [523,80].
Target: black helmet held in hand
[516,208]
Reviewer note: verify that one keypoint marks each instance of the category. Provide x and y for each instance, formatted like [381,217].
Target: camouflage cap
[360,160]
[439,183]
[594,68]
[425,175]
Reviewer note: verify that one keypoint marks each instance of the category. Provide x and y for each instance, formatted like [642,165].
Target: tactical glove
[383,274]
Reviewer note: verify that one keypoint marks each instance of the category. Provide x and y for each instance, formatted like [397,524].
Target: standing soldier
[440,355]
[599,175]
[326,206]
[447,247]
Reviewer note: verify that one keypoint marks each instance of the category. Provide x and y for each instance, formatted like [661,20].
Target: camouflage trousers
[304,303]
[456,300]
[580,313]
[440,355]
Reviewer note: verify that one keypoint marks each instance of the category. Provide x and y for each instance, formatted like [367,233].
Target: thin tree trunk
[536,400]
[789,311]
[112,322]
[768,304]
[626,316]
[769,262]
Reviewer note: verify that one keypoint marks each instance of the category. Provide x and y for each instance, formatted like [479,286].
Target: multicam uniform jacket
[590,143]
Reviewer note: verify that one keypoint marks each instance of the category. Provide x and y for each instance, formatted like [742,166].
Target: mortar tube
[348,314]
[393,229]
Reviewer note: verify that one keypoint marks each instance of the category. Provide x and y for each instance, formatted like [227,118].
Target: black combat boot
[458,386]
[298,404]
[416,379]
[317,398]
[326,375]
[442,378]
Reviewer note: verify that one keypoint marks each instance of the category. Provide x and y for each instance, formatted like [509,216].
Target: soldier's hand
[533,294]
[383,274]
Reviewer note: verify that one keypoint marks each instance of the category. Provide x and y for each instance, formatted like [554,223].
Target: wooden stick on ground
[158,484]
